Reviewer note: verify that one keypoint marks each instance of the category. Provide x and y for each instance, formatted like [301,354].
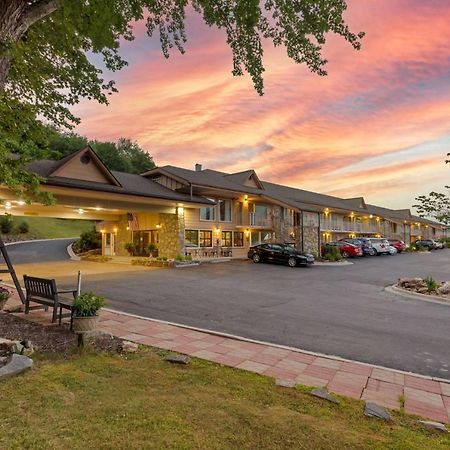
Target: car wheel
[373,252]
[256,258]
[345,254]
[376,252]
[292,262]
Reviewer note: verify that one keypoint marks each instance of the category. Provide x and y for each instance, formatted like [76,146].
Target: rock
[434,425]
[177,359]
[7,342]
[322,393]
[129,347]
[444,289]
[17,347]
[15,366]
[374,410]
[410,282]
[285,383]
[422,290]
[16,309]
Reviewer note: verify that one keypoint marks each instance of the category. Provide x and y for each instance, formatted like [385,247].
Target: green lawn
[143,402]
[47,227]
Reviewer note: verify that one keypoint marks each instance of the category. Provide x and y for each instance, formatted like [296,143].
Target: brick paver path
[423,396]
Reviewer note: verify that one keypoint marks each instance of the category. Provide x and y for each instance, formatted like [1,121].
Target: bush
[130,247]
[89,240]
[431,284]
[88,304]
[6,224]
[331,253]
[23,227]
[179,257]
[151,250]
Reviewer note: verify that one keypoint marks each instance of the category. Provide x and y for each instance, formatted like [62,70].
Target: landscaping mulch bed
[50,339]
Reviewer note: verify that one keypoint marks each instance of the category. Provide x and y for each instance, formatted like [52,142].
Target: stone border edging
[271,344]
[416,295]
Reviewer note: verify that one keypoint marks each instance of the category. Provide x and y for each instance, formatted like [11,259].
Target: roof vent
[198,167]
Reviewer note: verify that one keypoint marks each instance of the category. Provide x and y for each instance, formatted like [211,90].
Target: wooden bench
[44,292]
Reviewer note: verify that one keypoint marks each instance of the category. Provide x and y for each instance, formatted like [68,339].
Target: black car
[427,243]
[281,254]
[364,243]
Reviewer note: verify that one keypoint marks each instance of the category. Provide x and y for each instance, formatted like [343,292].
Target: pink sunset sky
[377,126]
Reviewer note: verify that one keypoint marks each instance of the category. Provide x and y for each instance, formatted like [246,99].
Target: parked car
[347,249]
[381,246]
[427,243]
[281,254]
[439,245]
[399,245]
[365,244]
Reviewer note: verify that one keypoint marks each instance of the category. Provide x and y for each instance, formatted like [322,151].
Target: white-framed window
[191,238]
[225,207]
[227,239]
[238,238]
[208,213]
[205,239]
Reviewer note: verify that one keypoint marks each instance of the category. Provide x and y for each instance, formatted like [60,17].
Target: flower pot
[84,324]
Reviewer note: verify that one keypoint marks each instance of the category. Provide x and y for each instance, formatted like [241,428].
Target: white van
[381,246]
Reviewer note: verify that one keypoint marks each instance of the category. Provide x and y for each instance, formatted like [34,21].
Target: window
[239,212]
[191,238]
[207,213]
[225,210]
[227,239]
[205,238]
[238,238]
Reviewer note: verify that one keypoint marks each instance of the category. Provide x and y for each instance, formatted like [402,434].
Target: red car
[397,244]
[347,250]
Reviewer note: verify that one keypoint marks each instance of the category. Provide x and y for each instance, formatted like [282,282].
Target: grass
[109,402]
[48,228]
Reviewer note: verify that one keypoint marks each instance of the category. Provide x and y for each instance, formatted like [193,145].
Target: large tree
[435,205]
[44,48]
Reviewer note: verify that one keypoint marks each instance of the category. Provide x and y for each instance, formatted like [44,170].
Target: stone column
[171,235]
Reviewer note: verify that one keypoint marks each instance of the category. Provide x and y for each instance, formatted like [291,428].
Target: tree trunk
[16,16]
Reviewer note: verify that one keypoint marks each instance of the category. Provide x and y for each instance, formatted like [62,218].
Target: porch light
[97,208]
[115,230]
[102,231]
[8,205]
[158,225]
[217,230]
[245,198]
[20,202]
[371,216]
[247,232]
[80,211]
[128,228]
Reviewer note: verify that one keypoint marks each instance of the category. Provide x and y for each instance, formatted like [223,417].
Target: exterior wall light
[80,211]
[158,226]
[8,205]
[245,198]
[115,230]
[20,202]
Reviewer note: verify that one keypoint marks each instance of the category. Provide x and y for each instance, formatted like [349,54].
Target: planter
[84,324]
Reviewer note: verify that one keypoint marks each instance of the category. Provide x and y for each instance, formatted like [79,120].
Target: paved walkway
[423,396]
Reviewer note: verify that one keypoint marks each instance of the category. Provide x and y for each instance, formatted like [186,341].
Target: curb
[29,241]
[416,296]
[72,254]
[270,344]
[333,264]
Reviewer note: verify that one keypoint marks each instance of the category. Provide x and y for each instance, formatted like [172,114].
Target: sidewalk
[423,396]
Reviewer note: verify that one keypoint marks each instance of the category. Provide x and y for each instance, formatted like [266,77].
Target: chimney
[198,167]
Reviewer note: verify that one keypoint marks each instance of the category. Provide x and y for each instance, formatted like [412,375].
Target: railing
[327,225]
[257,221]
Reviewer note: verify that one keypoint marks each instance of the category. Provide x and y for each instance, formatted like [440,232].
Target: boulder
[177,359]
[322,393]
[444,289]
[129,347]
[374,410]
[15,366]
[434,425]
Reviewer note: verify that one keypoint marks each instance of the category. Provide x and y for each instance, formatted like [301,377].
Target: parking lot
[334,310]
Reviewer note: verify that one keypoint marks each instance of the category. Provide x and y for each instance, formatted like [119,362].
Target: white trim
[270,344]
[71,253]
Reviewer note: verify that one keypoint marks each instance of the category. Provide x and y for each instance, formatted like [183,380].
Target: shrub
[420,248]
[331,253]
[179,257]
[23,227]
[89,240]
[431,284]
[88,304]
[130,247]
[4,294]
[6,224]
[151,249]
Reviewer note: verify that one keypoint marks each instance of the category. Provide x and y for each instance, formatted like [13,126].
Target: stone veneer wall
[280,225]
[171,235]
[311,239]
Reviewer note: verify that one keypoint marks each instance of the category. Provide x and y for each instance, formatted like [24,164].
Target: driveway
[340,311]
[38,251]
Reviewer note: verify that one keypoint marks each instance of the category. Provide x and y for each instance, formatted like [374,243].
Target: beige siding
[168,182]
[79,171]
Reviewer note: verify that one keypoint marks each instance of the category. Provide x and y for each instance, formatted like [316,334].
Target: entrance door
[110,244]
[142,239]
